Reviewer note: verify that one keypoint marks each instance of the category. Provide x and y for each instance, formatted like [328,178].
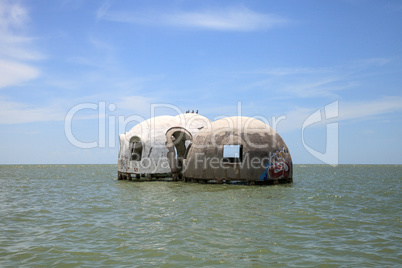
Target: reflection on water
[66,215]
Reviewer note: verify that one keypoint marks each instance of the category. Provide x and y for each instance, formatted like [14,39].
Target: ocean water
[82,216]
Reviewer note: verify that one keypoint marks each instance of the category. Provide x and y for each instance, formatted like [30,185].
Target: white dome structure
[241,149]
[156,147]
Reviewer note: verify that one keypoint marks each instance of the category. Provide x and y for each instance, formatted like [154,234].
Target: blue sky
[271,59]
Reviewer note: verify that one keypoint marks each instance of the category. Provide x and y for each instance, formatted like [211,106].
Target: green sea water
[82,216]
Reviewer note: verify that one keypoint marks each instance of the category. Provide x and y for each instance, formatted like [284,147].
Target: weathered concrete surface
[264,154]
[151,134]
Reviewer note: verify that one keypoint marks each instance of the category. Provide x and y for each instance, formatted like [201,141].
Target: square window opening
[232,153]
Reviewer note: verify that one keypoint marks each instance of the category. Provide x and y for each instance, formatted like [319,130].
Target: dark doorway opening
[178,141]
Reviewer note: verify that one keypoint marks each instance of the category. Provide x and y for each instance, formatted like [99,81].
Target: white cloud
[225,20]
[102,10]
[354,110]
[359,110]
[12,15]
[17,113]
[12,112]
[290,83]
[13,73]
[14,46]
[17,47]
[230,19]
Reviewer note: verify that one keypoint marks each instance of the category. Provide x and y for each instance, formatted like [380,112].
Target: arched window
[135,150]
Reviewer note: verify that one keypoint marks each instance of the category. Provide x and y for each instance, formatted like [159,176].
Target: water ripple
[80,215]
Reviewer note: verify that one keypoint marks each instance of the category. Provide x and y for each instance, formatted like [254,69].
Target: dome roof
[193,122]
[238,125]
[164,122]
[157,126]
